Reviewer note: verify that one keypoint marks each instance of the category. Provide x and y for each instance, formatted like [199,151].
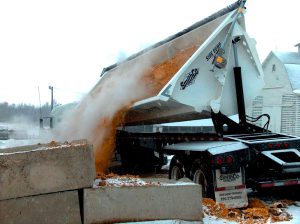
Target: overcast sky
[66,43]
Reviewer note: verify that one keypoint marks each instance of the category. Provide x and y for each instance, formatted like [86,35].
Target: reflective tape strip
[267,185]
[240,187]
[292,182]
[280,183]
[230,188]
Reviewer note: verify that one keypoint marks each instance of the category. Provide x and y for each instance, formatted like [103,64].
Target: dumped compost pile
[114,180]
[54,144]
[257,212]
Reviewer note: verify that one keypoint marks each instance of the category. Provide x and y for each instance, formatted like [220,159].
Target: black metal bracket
[225,126]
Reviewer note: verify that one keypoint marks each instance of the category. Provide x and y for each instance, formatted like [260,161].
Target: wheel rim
[199,178]
[176,173]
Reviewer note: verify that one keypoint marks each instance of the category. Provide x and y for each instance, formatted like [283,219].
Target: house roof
[288,57]
[293,71]
[291,62]
[284,57]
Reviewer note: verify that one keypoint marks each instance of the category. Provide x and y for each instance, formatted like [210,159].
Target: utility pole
[51,88]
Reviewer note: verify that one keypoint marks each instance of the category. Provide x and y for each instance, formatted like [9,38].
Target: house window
[273,68]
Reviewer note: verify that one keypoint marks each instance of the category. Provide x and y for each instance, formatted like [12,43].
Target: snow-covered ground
[293,210]
[20,142]
[165,222]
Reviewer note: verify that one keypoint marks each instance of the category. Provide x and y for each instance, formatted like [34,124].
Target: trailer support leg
[239,95]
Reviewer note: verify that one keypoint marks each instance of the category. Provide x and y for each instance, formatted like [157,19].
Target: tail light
[229,159]
[220,160]
[278,145]
[286,145]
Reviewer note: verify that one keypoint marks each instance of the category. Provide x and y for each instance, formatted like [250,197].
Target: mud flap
[230,189]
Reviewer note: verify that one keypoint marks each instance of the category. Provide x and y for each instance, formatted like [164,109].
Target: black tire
[202,174]
[176,169]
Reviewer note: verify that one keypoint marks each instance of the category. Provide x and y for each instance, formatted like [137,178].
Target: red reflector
[270,146]
[291,182]
[220,189]
[219,160]
[240,187]
[267,185]
[278,145]
[286,145]
[229,159]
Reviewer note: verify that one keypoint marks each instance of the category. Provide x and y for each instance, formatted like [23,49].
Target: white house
[280,98]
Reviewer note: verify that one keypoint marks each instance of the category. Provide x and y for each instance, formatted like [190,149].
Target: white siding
[277,99]
[257,109]
[290,123]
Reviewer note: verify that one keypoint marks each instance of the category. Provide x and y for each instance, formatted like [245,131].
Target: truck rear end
[219,166]
[274,160]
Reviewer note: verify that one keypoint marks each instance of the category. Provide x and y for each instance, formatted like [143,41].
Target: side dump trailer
[215,73]
[201,84]
[219,78]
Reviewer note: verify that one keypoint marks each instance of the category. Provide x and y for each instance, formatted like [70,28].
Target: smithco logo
[189,78]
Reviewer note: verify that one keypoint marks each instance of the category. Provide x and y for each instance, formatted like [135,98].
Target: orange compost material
[154,79]
[113,175]
[158,76]
[52,144]
[104,150]
[257,212]
[114,180]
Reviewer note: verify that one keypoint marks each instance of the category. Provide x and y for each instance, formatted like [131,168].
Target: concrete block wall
[46,170]
[58,208]
[43,183]
[55,185]
[124,204]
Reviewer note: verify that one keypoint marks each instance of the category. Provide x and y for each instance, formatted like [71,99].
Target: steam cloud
[101,111]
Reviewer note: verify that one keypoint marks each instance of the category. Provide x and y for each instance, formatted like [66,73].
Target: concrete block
[168,201]
[46,169]
[61,207]
[164,222]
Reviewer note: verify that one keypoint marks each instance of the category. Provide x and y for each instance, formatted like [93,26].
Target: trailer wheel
[176,169]
[201,174]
